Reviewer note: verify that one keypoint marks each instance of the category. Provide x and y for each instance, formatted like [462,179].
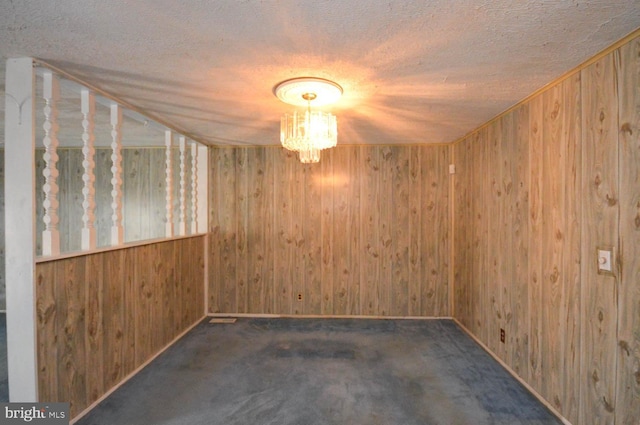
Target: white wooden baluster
[203,177]
[194,192]
[117,229]
[87,106]
[50,234]
[183,192]
[168,141]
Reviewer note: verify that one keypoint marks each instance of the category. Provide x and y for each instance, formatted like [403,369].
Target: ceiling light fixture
[312,131]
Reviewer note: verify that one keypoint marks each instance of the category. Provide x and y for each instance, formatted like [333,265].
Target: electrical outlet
[299,297]
[605,257]
[502,336]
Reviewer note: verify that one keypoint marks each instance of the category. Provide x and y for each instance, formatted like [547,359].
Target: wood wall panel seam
[323,236]
[628,338]
[582,351]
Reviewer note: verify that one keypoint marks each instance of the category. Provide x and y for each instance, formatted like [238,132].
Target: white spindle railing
[168,142]
[194,188]
[117,228]
[203,185]
[50,234]
[87,106]
[183,189]
[192,194]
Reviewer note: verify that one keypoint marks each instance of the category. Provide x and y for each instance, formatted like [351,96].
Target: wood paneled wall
[102,315]
[627,401]
[143,197]
[364,232]
[536,191]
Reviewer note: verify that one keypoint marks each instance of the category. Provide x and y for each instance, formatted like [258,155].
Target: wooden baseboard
[135,372]
[317,316]
[514,374]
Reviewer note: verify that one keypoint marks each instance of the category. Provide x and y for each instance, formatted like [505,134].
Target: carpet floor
[4,370]
[323,371]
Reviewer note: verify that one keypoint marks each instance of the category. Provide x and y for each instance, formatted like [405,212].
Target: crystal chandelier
[310,131]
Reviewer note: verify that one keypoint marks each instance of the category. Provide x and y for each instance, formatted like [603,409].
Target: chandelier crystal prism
[311,131]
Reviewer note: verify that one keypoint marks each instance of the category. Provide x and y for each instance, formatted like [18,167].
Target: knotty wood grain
[114,318]
[534,292]
[159,272]
[628,343]
[71,204]
[265,225]
[386,230]
[517,266]
[130,310]
[143,290]
[216,285]
[463,278]
[297,245]
[47,331]
[505,238]
[228,239]
[312,231]
[157,212]
[100,316]
[344,238]
[434,240]
[342,233]
[327,226]
[519,329]
[370,201]
[284,232]
[93,285]
[400,241]
[494,251]
[600,210]
[242,217]
[478,218]
[135,193]
[103,197]
[416,256]
[570,317]
[257,243]
[71,334]
[355,254]
[553,223]
[332,232]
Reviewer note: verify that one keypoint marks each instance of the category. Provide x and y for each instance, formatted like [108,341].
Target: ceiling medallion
[310,131]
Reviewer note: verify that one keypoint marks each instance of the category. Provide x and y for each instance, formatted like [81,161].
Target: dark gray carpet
[4,374]
[323,371]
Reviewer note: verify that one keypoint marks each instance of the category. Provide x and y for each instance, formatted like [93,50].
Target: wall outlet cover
[605,259]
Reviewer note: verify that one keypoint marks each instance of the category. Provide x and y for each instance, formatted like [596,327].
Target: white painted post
[182,224]
[168,171]
[203,185]
[19,136]
[117,229]
[194,193]
[87,106]
[50,234]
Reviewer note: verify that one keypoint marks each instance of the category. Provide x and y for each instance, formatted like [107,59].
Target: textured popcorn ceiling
[413,71]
